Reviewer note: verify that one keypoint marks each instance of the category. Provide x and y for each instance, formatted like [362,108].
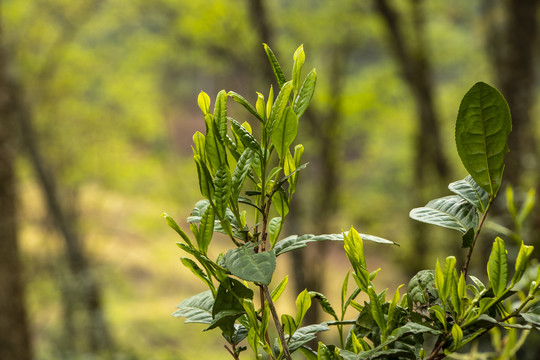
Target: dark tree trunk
[516,72]
[430,164]
[87,290]
[15,340]
[260,20]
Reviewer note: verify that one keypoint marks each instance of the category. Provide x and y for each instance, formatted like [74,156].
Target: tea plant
[248,181]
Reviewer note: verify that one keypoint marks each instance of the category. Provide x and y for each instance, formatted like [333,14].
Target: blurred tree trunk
[324,127]
[512,42]
[83,315]
[516,71]
[84,286]
[430,165]
[260,20]
[15,340]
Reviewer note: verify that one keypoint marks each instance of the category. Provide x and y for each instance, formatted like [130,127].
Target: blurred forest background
[98,107]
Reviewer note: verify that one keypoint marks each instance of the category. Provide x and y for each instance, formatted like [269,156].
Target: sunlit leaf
[206,230]
[278,109]
[305,94]
[240,99]
[299,58]
[482,128]
[275,66]
[204,102]
[285,133]
[498,267]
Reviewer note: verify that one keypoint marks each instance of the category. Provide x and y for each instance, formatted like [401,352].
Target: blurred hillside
[99,105]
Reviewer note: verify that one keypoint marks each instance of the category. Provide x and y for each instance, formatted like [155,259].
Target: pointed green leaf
[469,190]
[278,109]
[482,129]
[281,203]
[244,263]
[240,99]
[354,249]
[448,273]
[498,267]
[457,334]
[247,139]
[305,94]
[294,242]
[261,108]
[303,303]
[451,212]
[206,185]
[220,113]
[299,58]
[274,227]
[376,309]
[222,183]
[215,151]
[276,293]
[195,269]
[199,141]
[275,66]
[196,309]
[241,170]
[204,102]
[522,262]
[288,323]
[285,133]
[173,225]
[206,230]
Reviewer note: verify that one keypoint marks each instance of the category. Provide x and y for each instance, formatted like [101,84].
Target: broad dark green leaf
[244,263]
[305,94]
[275,66]
[482,128]
[240,172]
[240,99]
[196,309]
[498,267]
[451,212]
[278,109]
[222,191]
[294,242]
[469,190]
[245,137]
[206,230]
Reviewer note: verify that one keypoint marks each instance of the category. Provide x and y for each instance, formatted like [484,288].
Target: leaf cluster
[247,182]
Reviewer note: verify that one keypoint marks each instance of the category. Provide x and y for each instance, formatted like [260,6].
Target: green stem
[478,229]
